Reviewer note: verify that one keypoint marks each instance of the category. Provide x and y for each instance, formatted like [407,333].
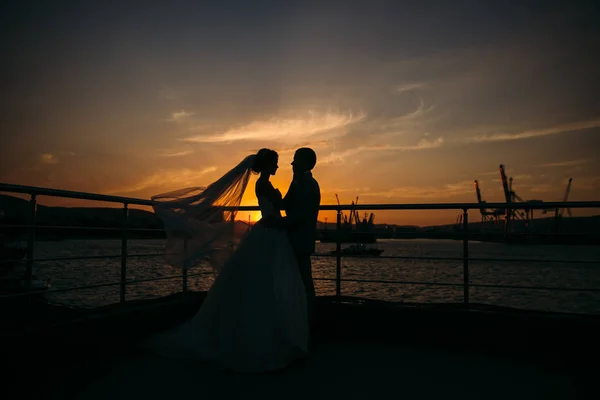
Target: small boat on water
[359,250]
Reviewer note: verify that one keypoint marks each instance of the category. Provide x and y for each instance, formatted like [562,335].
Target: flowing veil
[199,222]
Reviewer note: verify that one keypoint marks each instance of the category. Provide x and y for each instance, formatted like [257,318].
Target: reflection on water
[547,274]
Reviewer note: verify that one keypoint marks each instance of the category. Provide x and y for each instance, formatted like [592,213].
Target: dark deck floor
[344,371]
[364,349]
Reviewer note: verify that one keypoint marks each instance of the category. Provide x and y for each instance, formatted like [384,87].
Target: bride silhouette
[254,318]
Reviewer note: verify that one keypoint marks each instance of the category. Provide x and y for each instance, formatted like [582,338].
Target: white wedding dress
[254,318]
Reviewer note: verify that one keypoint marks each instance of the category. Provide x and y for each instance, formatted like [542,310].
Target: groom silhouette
[301,205]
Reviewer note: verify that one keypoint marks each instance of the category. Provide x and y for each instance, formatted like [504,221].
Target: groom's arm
[285,202]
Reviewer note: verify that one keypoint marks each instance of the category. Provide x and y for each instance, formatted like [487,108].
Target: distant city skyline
[404,102]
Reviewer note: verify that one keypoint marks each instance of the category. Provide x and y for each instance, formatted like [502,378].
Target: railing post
[466,257]
[124,253]
[31,241]
[338,256]
[184,282]
[233,230]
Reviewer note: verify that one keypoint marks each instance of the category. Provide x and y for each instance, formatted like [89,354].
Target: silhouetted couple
[257,314]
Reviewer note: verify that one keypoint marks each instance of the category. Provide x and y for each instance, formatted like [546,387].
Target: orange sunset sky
[404,102]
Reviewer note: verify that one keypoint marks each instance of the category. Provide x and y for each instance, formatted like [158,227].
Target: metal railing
[34,192]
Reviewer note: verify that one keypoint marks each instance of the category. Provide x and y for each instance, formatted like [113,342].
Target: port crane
[525,214]
[367,220]
[529,211]
[558,213]
[371,220]
[511,197]
[492,216]
[352,217]
[354,213]
[344,217]
[364,229]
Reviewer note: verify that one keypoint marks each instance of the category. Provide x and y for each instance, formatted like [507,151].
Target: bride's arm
[273,195]
[271,218]
[268,199]
[277,200]
[285,202]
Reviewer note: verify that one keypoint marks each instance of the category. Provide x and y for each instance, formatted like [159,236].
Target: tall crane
[355,211]
[352,217]
[527,216]
[344,218]
[507,197]
[559,213]
[506,189]
[371,220]
[486,215]
[511,197]
[478,191]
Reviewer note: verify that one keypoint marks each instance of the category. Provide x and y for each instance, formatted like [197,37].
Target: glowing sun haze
[404,102]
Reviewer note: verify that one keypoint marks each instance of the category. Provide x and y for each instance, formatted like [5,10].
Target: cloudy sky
[403,101]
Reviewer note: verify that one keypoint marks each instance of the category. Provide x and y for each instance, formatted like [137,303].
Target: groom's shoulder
[309,181]
[314,182]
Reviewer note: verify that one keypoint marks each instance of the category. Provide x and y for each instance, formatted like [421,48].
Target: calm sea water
[547,274]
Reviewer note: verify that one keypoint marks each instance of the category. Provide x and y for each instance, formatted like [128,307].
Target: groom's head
[305,159]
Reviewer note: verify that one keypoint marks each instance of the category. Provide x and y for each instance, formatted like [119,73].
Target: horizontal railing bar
[550,288]
[67,289]
[96,228]
[421,283]
[390,257]
[165,278]
[348,233]
[404,282]
[74,258]
[400,236]
[461,206]
[325,255]
[392,282]
[352,233]
[461,259]
[406,257]
[39,191]
[94,286]
[37,226]
[5,187]
[536,260]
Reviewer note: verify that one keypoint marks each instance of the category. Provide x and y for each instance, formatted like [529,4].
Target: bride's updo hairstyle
[264,159]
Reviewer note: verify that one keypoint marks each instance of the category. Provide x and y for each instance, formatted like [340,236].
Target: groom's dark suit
[301,205]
